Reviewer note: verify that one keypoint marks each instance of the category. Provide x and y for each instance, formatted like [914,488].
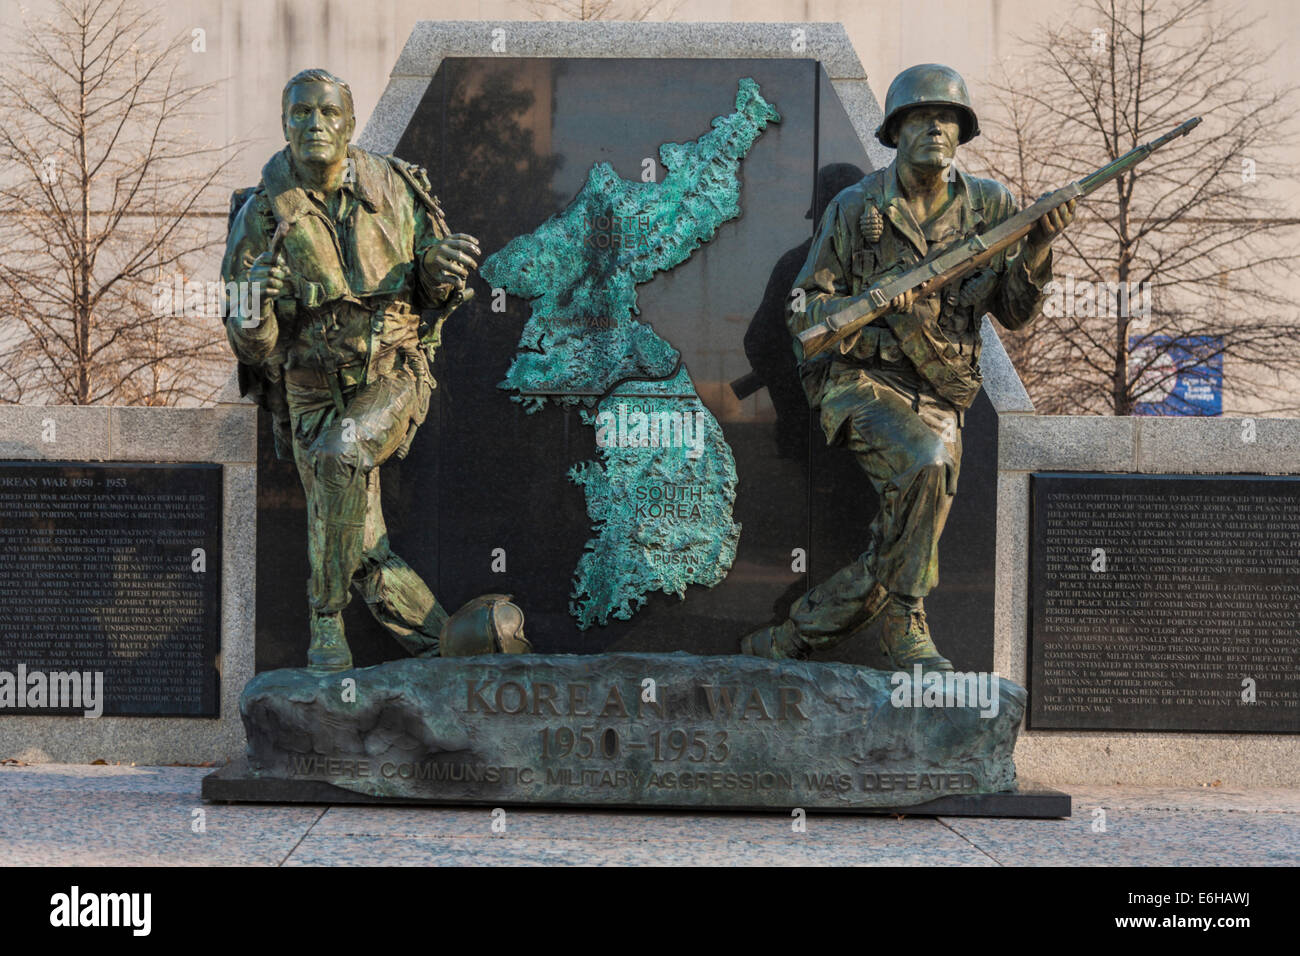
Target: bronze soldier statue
[901,417]
[348,249]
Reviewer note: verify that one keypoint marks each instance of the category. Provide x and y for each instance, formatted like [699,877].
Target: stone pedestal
[630,730]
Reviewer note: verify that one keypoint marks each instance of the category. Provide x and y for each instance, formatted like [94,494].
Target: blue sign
[1177,376]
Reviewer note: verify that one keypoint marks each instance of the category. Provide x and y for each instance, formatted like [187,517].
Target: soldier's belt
[345,376]
[348,376]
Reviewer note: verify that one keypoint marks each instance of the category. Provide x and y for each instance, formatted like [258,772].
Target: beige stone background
[253,46]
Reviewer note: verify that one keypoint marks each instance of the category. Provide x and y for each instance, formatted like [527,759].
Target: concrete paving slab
[1141,838]
[509,850]
[59,814]
[1254,800]
[105,778]
[636,827]
[96,828]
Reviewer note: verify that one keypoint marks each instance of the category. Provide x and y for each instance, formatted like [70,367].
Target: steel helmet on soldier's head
[925,85]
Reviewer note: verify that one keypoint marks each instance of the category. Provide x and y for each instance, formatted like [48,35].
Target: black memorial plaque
[1165,603]
[99,573]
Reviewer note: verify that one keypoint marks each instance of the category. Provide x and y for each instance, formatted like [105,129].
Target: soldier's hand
[903,303]
[271,277]
[454,258]
[1052,224]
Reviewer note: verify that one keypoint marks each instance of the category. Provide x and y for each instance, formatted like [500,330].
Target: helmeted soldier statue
[348,249]
[903,419]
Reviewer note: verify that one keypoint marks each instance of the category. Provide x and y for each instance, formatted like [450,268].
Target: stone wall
[225,433]
[1030,443]
[433,40]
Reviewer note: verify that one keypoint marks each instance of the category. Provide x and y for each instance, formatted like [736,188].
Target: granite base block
[235,783]
[626,730]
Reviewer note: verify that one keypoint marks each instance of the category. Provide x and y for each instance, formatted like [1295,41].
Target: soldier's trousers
[338,458]
[912,457]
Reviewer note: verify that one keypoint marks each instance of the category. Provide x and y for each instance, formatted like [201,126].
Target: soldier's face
[927,136]
[318,124]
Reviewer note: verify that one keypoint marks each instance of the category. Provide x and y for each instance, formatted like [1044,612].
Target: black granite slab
[508,142]
[99,573]
[1165,602]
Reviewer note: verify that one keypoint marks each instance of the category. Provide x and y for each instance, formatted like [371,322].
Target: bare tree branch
[1197,225]
[107,206]
[634,10]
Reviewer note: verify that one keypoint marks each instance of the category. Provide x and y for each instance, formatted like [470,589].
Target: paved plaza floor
[120,815]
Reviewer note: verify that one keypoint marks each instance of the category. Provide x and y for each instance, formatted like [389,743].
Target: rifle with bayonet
[846,316]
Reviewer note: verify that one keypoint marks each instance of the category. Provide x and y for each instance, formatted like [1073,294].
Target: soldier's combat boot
[907,639]
[827,615]
[776,643]
[329,649]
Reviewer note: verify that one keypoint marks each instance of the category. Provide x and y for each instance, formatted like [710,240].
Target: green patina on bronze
[903,267]
[663,515]
[893,389]
[355,271]
[513,729]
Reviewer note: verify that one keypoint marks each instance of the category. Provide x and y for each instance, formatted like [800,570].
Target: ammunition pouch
[344,376]
[952,373]
[418,362]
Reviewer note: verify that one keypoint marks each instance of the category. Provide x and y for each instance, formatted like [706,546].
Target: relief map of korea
[661,497]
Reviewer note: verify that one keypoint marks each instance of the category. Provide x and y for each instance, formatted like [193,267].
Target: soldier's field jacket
[361,275]
[843,261]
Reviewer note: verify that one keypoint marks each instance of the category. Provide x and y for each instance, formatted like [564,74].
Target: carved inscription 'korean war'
[760,736]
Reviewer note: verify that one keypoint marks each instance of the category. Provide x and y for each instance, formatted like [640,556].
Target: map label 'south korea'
[661,496]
